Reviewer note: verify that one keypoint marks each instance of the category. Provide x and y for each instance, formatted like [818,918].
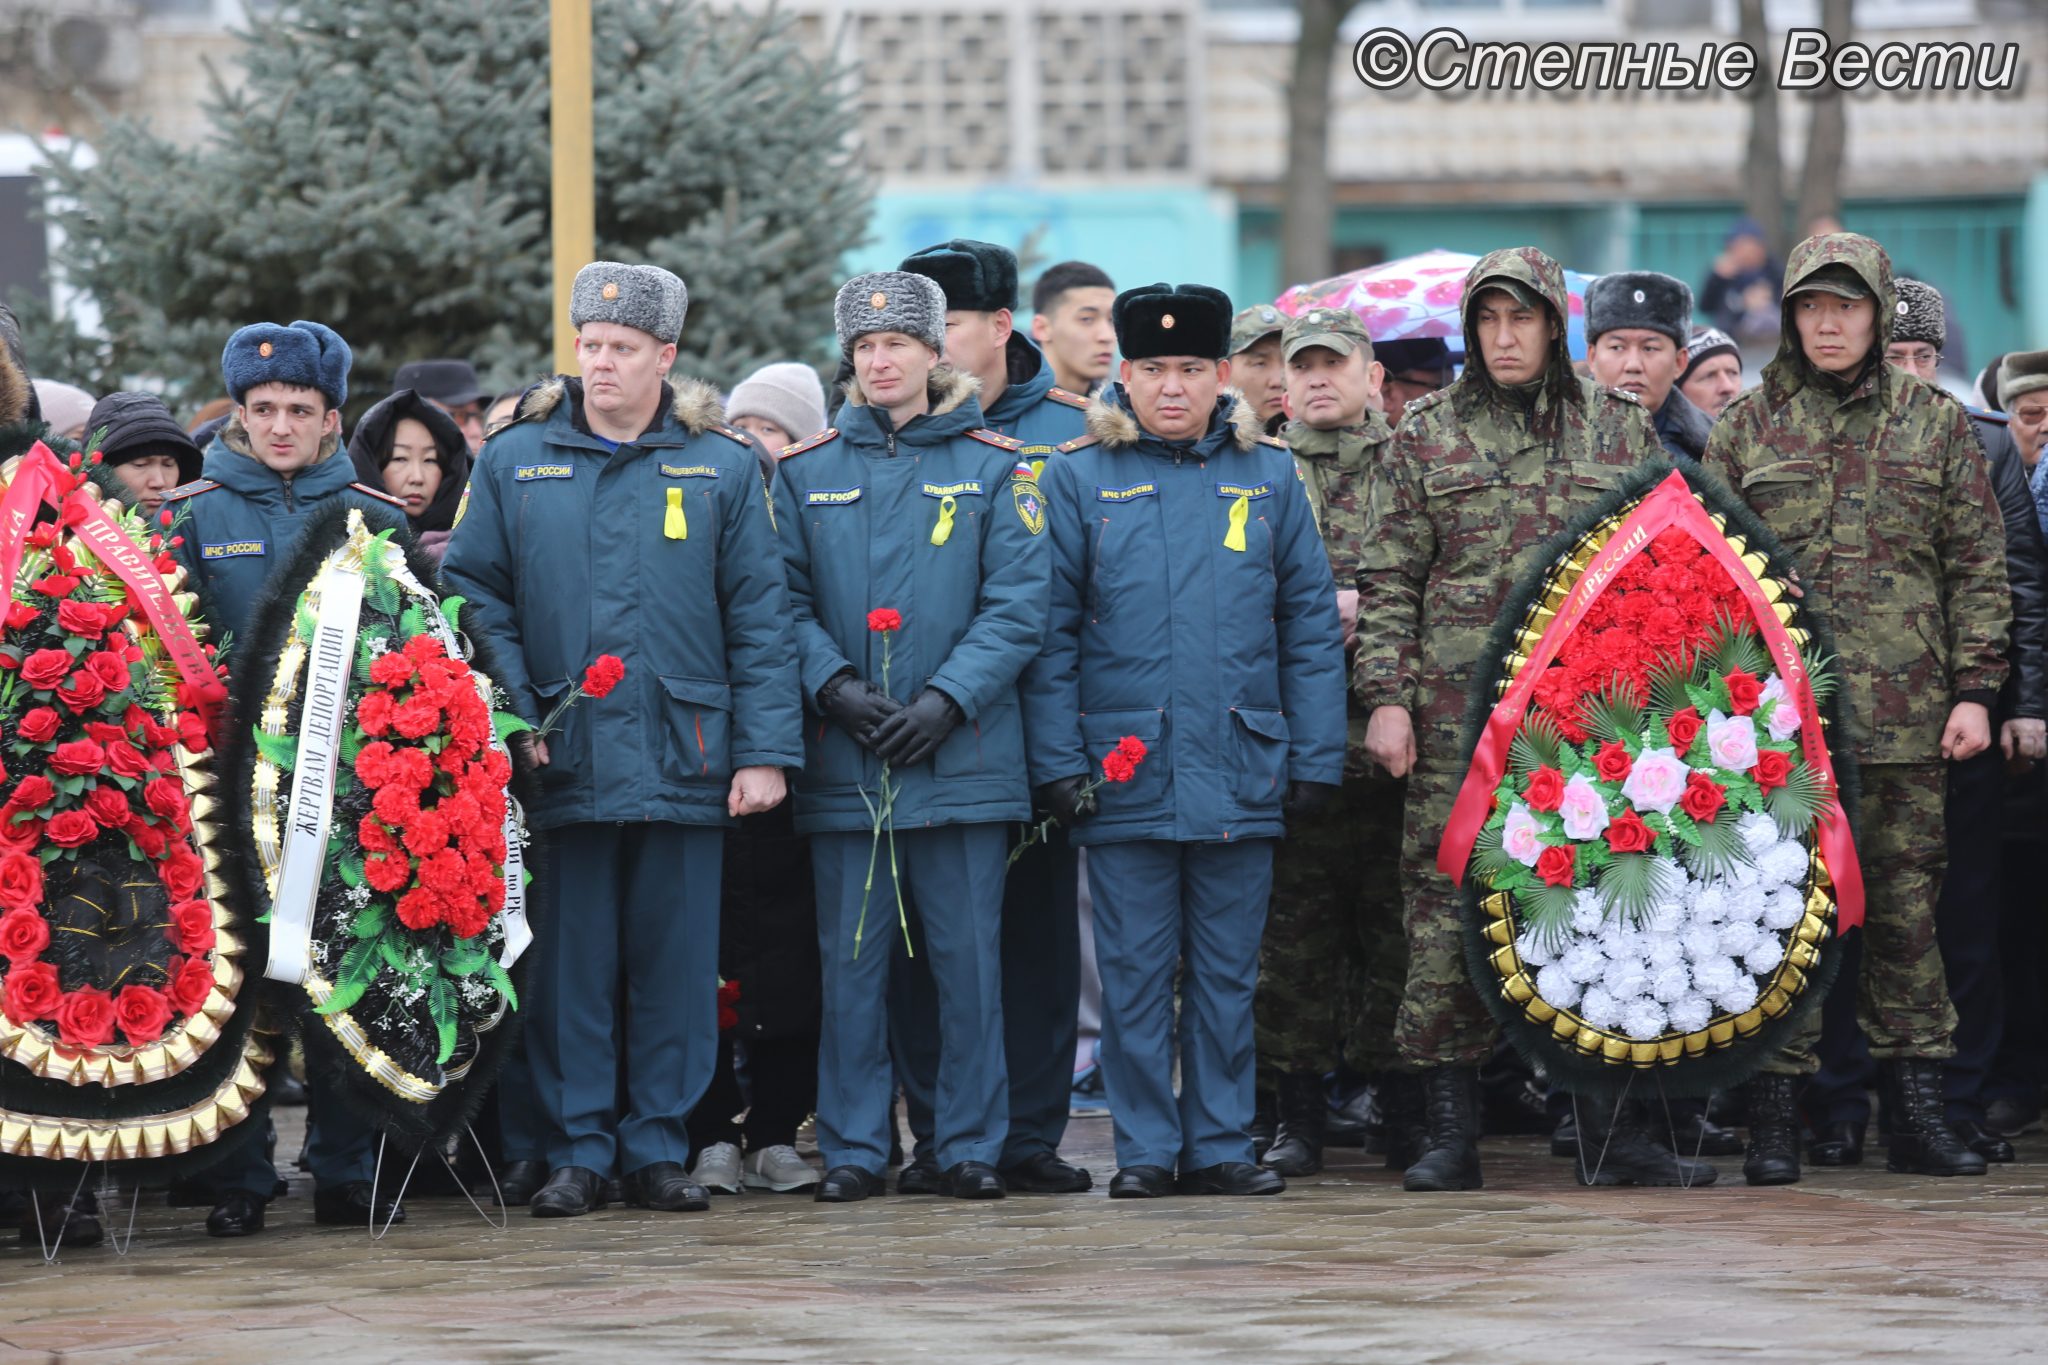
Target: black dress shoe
[611,1191]
[667,1187]
[1141,1182]
[238,1214]
[1984,1142]
[1693,1134]
[570,1192]
[76,1217]
[972,1180]
[849,1185]
[921,1176]
[350,1203]
[1231,1177]
[1045,1173]
[1837,1144]
[521,1181]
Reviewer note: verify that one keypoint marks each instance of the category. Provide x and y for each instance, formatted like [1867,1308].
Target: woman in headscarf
[414,451]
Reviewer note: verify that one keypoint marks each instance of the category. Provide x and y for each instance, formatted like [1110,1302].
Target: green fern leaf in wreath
[281,750]
[1798,804]
[1628,888]
[501,981]
[1546,914]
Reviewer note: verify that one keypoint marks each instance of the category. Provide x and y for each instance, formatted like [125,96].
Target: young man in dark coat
[620,515]
[1637,325]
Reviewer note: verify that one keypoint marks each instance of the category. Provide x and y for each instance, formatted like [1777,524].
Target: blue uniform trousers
[1041,1005]
[954,873]
[341,1147]
[632,908]
[1159,904]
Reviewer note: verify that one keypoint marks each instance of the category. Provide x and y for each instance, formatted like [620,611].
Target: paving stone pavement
[1850,1265]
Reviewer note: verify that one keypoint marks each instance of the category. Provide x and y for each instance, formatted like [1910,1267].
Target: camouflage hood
[1789,369]
[1533,272]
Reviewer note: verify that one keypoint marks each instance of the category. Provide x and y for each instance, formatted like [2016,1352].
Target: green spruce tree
[384,169]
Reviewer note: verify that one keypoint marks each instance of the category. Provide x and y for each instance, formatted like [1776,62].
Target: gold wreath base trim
[148,1135]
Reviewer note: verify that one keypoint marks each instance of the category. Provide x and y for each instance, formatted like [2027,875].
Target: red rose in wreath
[1771,770]
[1545,789]
[1683,727]
[1555,865]
[81,692]
[45,668]
[32,992]
[79,758]
[192,926]
[23,935]
[142,1014]
[182,872]
[85,1017]
[38,725]
[1703,797]
[1612,763]
[21,881]
[1745,693]
[71,829]
[1628,834]
[191,982]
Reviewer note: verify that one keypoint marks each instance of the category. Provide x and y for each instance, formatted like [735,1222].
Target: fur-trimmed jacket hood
[692,402]
[955,410]
[1234,425]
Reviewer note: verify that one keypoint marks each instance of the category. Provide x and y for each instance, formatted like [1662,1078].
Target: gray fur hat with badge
[1642,299]
[890,301]
[1920,314]
[644,297]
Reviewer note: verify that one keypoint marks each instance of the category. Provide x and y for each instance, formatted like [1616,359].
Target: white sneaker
[779,1169]
[718,1168]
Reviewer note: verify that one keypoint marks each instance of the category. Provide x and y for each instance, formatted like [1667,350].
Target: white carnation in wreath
[1599,1008]
[1588,915]
[1763,959]
[1642,1017]
[1784,864]
[1583,961]
[1738,997]
[1627,978]
[1535,950]
[1670,983]
[1690,1013]
[1702,943]
[1785,908]
[1663,950]
[1714,975]
[1738,937]
[1555,986]
[1759,833]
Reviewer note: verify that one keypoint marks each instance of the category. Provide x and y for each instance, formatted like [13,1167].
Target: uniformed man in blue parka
[1041,920]
[271,467]
[620,515]
[910,506]
[1192,610]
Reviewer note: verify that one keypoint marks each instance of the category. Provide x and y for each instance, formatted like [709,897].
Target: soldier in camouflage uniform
[1477,478]
[1334,878]
[1874,483]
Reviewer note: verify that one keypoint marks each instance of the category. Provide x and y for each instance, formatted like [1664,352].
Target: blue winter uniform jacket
[1228,663]
[240,519]
[661,552]
[859,507]
[1032,408]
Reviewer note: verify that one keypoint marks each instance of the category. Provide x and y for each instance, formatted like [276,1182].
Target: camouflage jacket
[1880,493]
[1473,484]
[1337,469]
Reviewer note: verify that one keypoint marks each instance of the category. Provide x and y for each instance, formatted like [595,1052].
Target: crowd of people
[1076,709]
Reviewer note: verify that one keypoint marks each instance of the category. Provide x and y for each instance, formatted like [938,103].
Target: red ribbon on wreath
[1671,503]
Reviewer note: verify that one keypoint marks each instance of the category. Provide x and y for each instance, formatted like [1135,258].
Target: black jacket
[2026,566]
[1681,426]
[768,927]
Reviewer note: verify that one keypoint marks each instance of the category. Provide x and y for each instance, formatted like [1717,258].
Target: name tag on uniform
[831,497]
[231,549]
[1136,490]
[690,471]
[524,472]
[1244,490]
[953,490]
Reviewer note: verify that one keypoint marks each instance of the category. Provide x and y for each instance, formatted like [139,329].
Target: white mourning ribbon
[329,665]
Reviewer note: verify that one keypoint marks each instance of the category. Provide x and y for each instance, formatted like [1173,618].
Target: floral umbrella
[1418,296]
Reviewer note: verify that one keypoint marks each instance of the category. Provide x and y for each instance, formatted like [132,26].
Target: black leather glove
[912,734]
[856,706]
[1306,798]
[1065,801]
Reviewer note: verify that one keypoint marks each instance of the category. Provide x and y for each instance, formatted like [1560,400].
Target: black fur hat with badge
[1172,319]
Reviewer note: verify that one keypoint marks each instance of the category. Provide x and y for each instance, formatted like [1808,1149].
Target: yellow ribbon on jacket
[944,530]
[674,524]
[1240,511]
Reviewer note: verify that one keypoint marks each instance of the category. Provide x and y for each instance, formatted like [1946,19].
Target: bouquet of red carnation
[1119,765]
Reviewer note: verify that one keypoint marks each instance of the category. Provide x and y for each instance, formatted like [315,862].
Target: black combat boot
[1922,1141]
[1773,1157]
[1265,1122]
[1615,1148]
[1450,1156]
[1297,1148]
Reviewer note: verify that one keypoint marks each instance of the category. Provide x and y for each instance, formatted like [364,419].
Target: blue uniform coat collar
[1234,426]
[955,411]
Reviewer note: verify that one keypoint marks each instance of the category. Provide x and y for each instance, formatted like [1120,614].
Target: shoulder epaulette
[1428,400]
[2001,419]
[809,443]
[378,494]
[186,490]
[730,433]
[1071,399]
[1622,394]
[1274,441]
[997,439]
[1081,442]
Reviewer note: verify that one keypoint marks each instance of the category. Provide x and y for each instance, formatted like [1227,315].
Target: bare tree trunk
[1827,134]
[1763,171]
[1307,209]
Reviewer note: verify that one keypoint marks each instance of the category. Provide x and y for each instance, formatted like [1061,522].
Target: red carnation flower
[1133,748]
[421,648]
[142,1013]
[1545,789]
[411,768]
[191,981]
[1744,691]
[387,872]
[469,917]
[1612,763]
[1683,727]
[419,908]
[23,935]
[427,833]
[1771,770]
[71,829]
[32,992]
[416,719]
[79,758]
[373,763]
[391,670]
[373,713]
[85,1018]
[1117,768]
[375,836]
[882,620]
[1703,797]
[603,675]
[1555,865]
[45,668]
[396,805]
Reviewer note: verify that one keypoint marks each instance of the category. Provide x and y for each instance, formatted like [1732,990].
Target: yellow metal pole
[569,122]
